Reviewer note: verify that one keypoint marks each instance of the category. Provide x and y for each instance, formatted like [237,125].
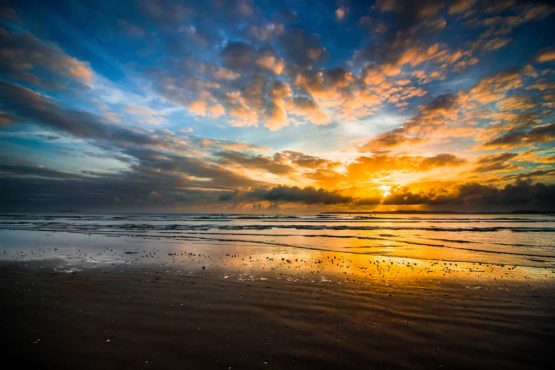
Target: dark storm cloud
[520,193]
[108,192]
[294,194]
[152,181]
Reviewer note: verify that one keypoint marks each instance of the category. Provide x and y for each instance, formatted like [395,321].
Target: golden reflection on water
[424,263]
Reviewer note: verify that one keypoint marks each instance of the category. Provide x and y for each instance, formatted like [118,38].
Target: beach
[75,297]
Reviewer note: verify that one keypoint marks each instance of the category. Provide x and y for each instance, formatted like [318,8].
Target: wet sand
[162,316]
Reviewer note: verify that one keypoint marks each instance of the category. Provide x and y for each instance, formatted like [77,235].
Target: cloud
[409,39]
[304,160]
[460,6]
[158,157]
[340,13]
[301,50]
[308,195]
[344,96]
[276,106]
[495,162]
[431,117]
[411,36]
[532,175]
[520,193]
[498,110]
[422,9]
[28,59]
[388,140]
[517,194]
[35,171]
[235,81]
[306,107]
[495,87]
[442,160]
[268,60]
[223,145]
[39,109]
[406,198]
[267,31]
[524,136]
[272,165]
[496,43]
[238,55]
[366,167]
[107,192]
[248,89]
[6,119]
[546,56]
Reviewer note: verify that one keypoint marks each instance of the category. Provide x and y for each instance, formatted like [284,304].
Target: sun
[385,189]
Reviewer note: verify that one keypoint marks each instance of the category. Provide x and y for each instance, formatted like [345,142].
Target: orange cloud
[546,56]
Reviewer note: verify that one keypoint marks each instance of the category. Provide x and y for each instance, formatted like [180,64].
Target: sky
[277,106]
